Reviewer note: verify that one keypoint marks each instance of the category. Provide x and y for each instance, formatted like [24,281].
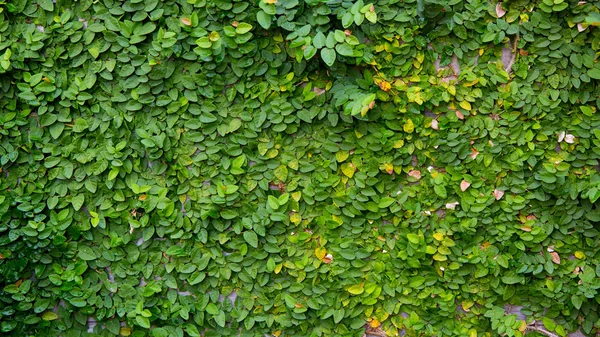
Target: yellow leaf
[125,331]
[348,169]
[374,323]
[340,156]
[320,253]
[385,86]
[579,254]
[439,257]
[438,236]
[49,316]
[389,168]
[278,268]
[398,144]
[295,218]
[523,326]
[356,289]
[297,195]
[466,305]
[452,90]
[409,126]
[465,105]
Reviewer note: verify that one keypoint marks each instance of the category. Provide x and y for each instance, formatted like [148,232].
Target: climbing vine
[299,168]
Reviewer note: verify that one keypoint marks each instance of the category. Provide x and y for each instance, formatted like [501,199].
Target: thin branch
[540,329]
[514,56]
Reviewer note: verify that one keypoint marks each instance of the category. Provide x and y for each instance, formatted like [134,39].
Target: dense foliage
[299,167]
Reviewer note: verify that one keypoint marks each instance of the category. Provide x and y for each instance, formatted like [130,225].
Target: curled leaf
[474,153]
[498,194]
[452,205]
[569,138]
[499,10]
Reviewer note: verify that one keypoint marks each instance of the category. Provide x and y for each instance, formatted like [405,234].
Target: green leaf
[264,19]
[220,318]
[371,16]
[385,202]
[319,40]
[56,130]
[243,28]
[273,202]
[77,201]
[49,316]
[46,5]
[413,238]
[212,309]
[283,199]
[576,301]
[328,56]
[356,289]
[290,302]
[440,190]
[548,323]
[86,253]
[94,51]
[142,321]
[251,238]
[344,49]
[281,173]
[594,73]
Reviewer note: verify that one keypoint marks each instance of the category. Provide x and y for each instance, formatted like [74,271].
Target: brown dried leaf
[498,194]
[319,91]
[415,174]
[460,115]
[474,153]
[499,10]
[186,21]
[434,124]
[328,259]
[464,185]
[555,257]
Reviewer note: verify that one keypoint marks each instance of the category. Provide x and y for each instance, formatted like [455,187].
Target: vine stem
[514,56]
[542,330]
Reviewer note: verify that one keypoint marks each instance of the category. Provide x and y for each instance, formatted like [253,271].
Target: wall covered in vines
[299,168]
